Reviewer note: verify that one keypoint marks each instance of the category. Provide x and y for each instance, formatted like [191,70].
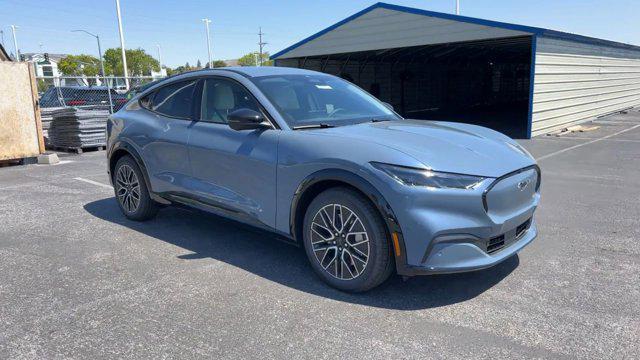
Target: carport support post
[532,73]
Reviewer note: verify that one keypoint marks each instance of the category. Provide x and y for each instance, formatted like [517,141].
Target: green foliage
[138,62]
[252,59]
[198,64]
[78,65]
[219,63]
[42,85]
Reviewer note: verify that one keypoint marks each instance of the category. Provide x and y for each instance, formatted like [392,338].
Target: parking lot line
[93,182]
[586,143]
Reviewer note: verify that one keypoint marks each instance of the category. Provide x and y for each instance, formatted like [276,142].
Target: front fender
[317,181]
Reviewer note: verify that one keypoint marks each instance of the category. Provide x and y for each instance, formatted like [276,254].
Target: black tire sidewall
[147,207]
[376,269]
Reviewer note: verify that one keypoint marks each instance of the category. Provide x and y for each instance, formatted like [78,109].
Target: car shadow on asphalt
[256,251]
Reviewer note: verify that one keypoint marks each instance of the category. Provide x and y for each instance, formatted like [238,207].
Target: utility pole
[206,25]
[124,56]
[104,75]
[159,56]
[261,43]
[457,7]
[15,42]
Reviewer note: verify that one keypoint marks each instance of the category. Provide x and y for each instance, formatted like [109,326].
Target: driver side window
[221,97]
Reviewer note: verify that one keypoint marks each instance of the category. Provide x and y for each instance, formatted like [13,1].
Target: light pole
[159,57]
[15,42]
[206,25]
[124,56]
[457,7]
[104,75]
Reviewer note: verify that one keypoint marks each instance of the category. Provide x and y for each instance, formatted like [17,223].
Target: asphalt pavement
[78,280]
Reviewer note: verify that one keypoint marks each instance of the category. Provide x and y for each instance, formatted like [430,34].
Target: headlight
[434,179]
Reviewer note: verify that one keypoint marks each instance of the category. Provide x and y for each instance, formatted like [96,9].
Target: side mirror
[246,119]
[389,106]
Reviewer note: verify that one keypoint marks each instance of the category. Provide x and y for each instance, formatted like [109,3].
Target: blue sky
[177,27]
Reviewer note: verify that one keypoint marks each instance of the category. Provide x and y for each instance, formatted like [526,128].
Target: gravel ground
[77,280]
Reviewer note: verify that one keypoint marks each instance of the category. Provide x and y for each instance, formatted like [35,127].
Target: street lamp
[104,75]
[206,25]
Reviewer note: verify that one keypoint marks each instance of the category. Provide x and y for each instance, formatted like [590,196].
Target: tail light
[76,102]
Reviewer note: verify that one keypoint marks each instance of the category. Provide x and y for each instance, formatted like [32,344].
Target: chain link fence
[108,93]
[74,109]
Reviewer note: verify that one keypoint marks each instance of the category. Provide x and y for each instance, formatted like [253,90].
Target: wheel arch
[123,148]
[322,180]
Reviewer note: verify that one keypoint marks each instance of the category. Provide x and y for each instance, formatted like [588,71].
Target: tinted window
[314,99]
[221,97]
[173,100]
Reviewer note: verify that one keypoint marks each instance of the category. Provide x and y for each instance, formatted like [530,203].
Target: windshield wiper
[313,126]
[379,119]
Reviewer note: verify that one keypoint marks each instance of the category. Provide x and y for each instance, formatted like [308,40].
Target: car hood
[444,146]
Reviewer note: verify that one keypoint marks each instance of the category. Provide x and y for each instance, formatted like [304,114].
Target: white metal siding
[385,29]
[575,82]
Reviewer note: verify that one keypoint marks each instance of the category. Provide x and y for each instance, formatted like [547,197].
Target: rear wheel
[131,191]
[346,242]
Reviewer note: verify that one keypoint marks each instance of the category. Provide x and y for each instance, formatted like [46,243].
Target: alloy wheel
[128,188]
[340,241]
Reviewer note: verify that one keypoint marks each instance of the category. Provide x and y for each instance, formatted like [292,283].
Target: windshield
[305,100]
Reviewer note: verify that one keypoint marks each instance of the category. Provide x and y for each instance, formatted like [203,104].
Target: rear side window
[173,100]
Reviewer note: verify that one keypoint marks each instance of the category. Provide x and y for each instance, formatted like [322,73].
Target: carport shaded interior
[484,82]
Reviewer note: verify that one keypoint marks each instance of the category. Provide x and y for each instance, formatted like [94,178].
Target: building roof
[4,56]
[481,25]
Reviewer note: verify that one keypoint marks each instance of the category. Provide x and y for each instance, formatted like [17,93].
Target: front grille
[499,242]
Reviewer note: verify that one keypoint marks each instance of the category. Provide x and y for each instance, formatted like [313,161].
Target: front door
[233,170]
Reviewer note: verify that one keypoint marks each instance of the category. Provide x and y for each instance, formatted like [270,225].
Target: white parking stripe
[94,183]
[585,143]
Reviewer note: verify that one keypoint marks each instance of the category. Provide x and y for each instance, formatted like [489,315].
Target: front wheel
[346,242]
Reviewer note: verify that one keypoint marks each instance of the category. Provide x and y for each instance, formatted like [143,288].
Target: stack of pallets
[46,116]
[75,129]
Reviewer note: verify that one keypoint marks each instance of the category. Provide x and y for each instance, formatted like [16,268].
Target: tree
[198,64]
[78,65]
[219,63]
[138,62]
[252,59]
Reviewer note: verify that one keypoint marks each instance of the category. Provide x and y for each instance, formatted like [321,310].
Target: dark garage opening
[480,82]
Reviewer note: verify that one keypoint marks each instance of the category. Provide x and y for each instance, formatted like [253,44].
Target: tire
[128,182]
[340,260]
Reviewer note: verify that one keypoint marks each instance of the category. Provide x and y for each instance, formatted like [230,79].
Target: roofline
[528,29]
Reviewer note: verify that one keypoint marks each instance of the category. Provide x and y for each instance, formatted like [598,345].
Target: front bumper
[464,256]
[450,231]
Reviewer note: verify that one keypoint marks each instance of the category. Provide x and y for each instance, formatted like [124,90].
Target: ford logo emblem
[523,184]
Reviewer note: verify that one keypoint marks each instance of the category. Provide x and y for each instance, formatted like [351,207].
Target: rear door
[233,170]
[164,135]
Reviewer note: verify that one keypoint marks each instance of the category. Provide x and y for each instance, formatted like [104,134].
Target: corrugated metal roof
[463,19]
